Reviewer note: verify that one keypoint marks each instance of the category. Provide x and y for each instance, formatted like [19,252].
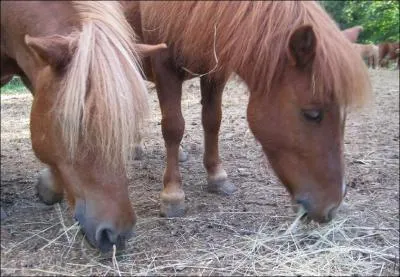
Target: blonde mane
[252,37]
[103,98]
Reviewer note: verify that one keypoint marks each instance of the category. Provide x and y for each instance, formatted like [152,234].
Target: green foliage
[380,19]
[14,86]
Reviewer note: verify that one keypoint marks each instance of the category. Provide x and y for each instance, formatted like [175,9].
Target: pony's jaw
[319,193]
[306,156]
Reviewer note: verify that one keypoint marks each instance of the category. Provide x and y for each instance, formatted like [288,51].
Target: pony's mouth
[102,239]
[301,213]
[301,216]
[101,235]
[306,216]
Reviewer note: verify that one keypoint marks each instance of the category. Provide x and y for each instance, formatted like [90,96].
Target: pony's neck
[253,78]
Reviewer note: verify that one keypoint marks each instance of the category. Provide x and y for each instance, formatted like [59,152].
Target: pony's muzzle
[101,234]
[321,216]
[106,236]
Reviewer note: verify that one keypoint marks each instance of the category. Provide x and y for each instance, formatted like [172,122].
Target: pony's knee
[47,189]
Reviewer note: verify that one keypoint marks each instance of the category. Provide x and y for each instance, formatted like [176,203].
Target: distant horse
[81,64]
[303,74]
[370,52]
[389,51]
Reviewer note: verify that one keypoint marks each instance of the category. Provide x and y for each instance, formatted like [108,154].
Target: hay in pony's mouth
[301,214]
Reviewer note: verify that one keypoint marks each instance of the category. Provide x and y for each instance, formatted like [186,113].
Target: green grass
[15,86]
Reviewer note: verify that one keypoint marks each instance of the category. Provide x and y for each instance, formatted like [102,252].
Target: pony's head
[89,102]
[300,120]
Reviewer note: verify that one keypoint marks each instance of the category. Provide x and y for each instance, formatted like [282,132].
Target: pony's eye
[313,115]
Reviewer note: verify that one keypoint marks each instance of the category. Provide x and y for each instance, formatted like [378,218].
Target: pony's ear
[352,33]
[55,50]
[302,46]
[146,50]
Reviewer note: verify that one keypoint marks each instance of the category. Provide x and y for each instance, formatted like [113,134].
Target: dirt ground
[238,235]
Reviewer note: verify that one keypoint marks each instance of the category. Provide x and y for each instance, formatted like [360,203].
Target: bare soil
[238,235]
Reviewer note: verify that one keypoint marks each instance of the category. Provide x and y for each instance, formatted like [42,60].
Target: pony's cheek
[260,121]
[41,137]
[45,136]
[284,166]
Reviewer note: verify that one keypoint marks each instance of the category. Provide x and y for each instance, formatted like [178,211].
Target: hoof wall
[170,210]
[223,187]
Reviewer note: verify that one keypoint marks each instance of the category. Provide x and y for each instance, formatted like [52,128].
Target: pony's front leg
[211,100]
[138,150]
[48,188]
[169,91]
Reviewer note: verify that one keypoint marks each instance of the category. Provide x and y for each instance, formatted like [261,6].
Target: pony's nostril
[305,203]
[106,236]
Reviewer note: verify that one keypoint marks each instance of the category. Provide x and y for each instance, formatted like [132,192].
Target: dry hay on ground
[239,235]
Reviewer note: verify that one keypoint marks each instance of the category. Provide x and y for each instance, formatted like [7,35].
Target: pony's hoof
[221,186]
[172,209]
[183,155]
[172,204]
[45,190]
[138,152]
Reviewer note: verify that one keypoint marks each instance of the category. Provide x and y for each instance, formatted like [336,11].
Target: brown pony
[389,51]
[80,62]
[370,52]
[303,74]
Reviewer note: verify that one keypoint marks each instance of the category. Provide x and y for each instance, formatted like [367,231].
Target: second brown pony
[302,72]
